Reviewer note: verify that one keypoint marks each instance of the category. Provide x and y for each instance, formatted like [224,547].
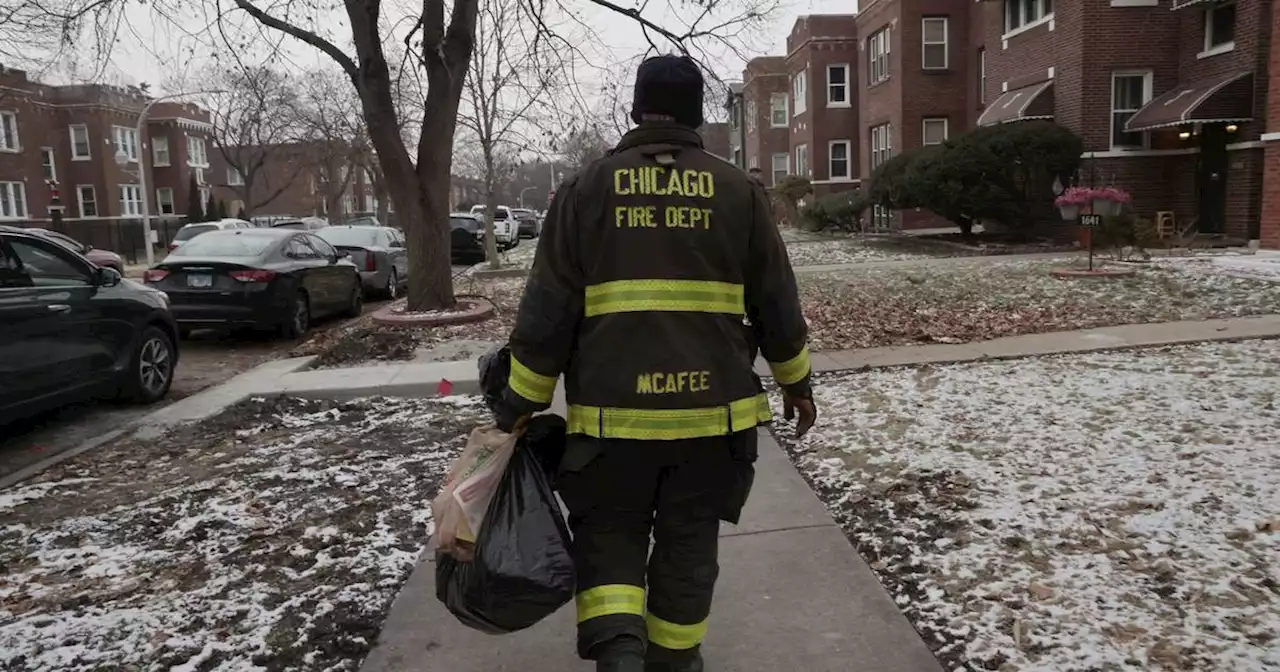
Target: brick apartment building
[297,178]
[766,101]
[1270,219]
[67,137]
[716,138]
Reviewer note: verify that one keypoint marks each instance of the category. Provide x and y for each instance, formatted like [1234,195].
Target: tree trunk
[490,214]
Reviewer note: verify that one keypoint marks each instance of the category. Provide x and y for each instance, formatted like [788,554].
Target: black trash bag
[544,437]
[522,570]
[495,368]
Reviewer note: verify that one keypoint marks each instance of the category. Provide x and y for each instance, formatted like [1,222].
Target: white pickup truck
[504,226]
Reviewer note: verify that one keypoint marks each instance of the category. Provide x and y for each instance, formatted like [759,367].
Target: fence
[122,236]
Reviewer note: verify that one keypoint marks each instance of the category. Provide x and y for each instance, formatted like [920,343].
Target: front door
[1211,178]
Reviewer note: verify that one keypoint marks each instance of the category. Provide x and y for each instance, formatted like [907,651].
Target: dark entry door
[1211,178]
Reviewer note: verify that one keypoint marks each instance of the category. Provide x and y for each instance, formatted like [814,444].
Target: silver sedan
[379,253]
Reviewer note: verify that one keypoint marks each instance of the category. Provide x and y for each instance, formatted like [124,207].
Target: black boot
[690,663]
[622,664]
[621,654]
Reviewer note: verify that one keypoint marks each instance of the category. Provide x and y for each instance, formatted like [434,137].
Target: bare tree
[335,136]
[255,130]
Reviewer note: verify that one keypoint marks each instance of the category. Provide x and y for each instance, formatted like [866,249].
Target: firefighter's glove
[793,406]
[509,419]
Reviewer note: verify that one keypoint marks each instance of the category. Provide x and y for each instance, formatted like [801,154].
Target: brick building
[1270,218]
[716,138]
[69,136]
[736,111]
[325,179]
[766,101]
[822,56]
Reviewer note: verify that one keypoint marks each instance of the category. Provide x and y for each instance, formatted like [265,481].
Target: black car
[466,237]
[71,331]
[269,279]
[527,223]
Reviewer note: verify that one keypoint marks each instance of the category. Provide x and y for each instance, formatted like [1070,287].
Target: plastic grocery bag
[459,509]
[521,571]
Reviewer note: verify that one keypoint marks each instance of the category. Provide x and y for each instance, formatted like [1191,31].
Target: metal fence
[122,236]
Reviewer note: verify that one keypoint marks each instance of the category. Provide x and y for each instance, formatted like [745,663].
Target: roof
[1034,101]
[1227,97]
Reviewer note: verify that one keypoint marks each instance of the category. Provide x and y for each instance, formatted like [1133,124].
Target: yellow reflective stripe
[793,370]
[693,296]
[531,385]
[674,636]
[669,424]
[608,600]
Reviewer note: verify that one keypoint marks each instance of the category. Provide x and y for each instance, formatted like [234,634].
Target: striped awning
[1028,102]
[1225,98]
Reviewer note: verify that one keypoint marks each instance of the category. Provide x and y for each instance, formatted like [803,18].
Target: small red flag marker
[446,387]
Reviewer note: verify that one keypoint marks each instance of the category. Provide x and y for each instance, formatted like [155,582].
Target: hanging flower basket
[1070,212]
[1105,207]
[1100,200]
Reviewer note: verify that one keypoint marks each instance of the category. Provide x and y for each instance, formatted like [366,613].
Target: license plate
[199,280]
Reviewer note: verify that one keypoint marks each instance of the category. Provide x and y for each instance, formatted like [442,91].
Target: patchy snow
[1107,511]
[271,536]
[845,250]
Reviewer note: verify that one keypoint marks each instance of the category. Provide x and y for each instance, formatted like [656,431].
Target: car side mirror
[108,277]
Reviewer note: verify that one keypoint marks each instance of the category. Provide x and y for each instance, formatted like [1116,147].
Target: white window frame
[9,127]
[802,160]
[753,162]
[47,154]
[881,144]
[751,116]
[1029,14]
[774,99]
[982,75]
[843,86]
[205,196]
[878,56]
[161,201]
[773,166]
[800,92]
[925,43]
[125,139]
[1211,49]
[848,161]
[88,143]
[1147,78]
[12,195]
[160,151]
[234,178]
[130,207]
[93,194]
[924,130]
[194,141]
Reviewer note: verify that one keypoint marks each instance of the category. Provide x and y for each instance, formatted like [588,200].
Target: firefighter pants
[619,492]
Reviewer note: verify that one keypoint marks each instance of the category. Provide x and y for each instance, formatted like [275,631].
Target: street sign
[1091,221]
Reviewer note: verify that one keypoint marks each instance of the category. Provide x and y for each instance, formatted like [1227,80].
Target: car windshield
[226,244]
[189,232]
[361,236]
[362,221]
[290,224]
[525,215]
[468,223]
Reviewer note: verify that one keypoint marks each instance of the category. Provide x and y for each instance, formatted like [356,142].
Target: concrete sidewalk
[792,594]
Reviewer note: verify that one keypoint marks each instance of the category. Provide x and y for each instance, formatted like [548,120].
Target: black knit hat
[669,85]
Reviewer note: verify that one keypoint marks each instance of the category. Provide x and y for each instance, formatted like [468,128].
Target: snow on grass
[845,250]
[1115,511]
[967,300]
[272,536]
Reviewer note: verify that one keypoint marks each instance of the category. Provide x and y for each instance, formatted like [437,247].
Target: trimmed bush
[841,211]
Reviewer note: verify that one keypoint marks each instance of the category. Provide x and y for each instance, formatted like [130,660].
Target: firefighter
[658,275]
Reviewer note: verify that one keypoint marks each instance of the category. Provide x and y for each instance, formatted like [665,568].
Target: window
[878,57]
[9,132]
[80,150]
[130,199]
[164,200]
[204,197]
[126,140]
[781,166]
[13,200]
[348,204]
[880,145]
[48,265]
[160,150]
[800,92]
[933,49]
[838,160]
[933,131]
[49,164]
[778,110]
[1220,28]
[838,85]
[1026,13]
[322,247]
[753,162]
[234,178]
[802,160]
[751,116]
[299,249]
[1129,92]
[196,155]
[982,76]
[734,111]
[88,201]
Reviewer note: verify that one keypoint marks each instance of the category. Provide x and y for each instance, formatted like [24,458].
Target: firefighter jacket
[658,275]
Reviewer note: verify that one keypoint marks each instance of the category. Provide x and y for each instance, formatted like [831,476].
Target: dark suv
[70,330]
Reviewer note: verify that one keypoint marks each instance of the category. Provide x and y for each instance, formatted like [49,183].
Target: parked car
[379,253]
[266,221]
[529,225]
[192,230]
[71,331]
[301,223]
[278,279]
[504,226]
[466,237]
[99,258]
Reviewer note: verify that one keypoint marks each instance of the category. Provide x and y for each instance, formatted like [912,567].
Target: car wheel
[392,290]
[150,372]
[299,319]
[356,305]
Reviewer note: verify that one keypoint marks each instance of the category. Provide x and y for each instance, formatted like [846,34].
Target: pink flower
[1082,196]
